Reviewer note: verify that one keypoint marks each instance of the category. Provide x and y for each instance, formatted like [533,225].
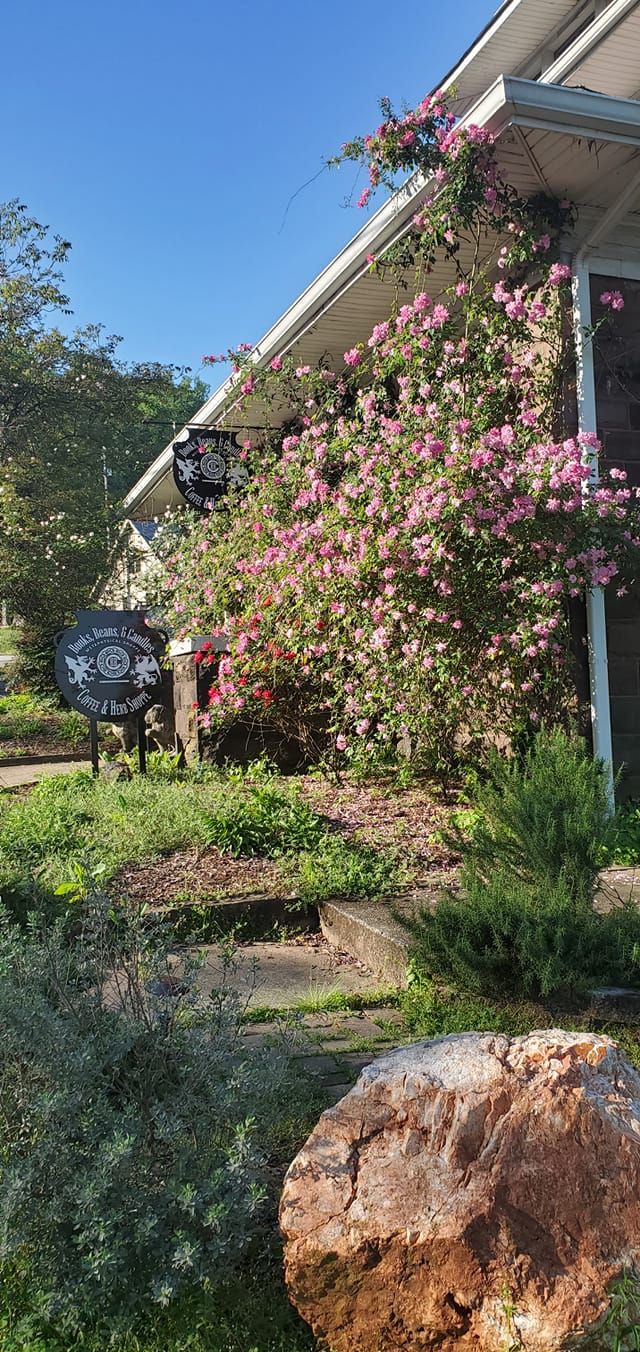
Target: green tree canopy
[77,426]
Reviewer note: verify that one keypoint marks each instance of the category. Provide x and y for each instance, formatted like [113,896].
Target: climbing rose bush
[397,578]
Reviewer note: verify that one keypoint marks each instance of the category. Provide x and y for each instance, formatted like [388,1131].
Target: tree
[77,425]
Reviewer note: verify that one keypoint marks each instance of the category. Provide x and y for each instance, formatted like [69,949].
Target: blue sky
[165,140]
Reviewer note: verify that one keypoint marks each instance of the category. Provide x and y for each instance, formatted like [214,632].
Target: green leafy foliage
[524,922]
[71,826]
[344,868]
[620,1330]
[132,1123]
[25,718]
[76,427]
[503,935]
[267,822]
[252,1314]
[624,849]
[431,1011]
[544,816]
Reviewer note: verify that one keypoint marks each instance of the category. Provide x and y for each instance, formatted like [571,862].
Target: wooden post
[142,745]
[93,739]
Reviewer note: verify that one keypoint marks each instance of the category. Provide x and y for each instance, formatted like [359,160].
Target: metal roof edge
[509,100]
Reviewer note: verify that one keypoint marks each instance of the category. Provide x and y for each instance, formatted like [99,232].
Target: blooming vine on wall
[397,575]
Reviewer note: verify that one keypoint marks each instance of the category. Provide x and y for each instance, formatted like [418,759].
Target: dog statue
[159,727]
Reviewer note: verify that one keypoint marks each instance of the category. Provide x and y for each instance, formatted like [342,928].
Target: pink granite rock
[461,1177]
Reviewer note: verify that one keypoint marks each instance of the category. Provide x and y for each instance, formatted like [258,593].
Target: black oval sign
[108,665]
[206,463]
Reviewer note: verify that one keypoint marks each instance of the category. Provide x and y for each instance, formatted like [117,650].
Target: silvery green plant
[132,1124]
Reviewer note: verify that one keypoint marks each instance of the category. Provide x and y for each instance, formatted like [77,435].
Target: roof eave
[510,101]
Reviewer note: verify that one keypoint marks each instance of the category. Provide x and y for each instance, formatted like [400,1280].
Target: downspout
[587,422]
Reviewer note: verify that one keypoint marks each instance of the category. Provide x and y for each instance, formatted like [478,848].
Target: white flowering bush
[132,1126]
[403,562]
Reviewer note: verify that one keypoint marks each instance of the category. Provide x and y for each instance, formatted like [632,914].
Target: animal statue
[159,727]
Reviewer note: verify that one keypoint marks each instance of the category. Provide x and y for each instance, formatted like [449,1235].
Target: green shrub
[132,1123]
[252,1314]
[500,936]
[266,821]
[432,1012]
[524,922]
[624,849]
[72,727]
[544,817]
[345,868]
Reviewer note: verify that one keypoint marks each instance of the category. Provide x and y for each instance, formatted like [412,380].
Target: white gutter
[588,422]
[509,101]
[560,108]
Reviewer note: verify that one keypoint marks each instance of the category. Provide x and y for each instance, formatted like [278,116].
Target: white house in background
[558,84]
[133,568]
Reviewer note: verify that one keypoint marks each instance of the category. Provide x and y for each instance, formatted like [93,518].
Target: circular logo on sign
[213,466]
[113,662]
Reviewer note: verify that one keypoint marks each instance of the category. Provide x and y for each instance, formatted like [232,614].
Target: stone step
[369,931]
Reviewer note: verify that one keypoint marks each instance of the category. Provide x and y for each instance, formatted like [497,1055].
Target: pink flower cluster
[401,565]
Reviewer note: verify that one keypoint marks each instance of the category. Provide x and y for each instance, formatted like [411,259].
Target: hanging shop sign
[206,464]
[108,665]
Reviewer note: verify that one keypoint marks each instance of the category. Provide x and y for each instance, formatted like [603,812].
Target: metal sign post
[142,746]
[93,739]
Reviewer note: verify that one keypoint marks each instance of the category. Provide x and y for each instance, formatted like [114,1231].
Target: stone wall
[617,371]
[190,688]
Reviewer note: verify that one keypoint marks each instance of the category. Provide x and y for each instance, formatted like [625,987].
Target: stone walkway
[333,1047]
[14,776]
[286,975]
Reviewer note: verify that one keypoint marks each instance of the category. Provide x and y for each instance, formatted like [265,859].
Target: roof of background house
[547,44]
[146,529]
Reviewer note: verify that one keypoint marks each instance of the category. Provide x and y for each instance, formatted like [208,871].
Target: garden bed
[404,823]
[32,726]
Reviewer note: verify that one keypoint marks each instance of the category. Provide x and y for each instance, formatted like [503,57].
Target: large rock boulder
[476,1191]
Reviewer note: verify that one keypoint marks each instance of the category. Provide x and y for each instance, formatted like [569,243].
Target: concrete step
[369,931]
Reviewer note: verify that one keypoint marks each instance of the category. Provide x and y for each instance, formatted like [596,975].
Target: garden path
[332,1047]
[285,975]
[15,776]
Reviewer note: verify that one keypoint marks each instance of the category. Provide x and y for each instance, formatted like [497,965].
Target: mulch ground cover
[44,743]
[405,822]
[48,741]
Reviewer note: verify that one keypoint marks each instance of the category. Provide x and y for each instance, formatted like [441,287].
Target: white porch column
[596,621]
